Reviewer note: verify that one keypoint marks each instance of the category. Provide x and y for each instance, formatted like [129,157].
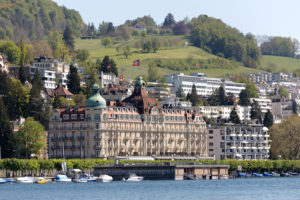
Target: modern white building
[107,79]
[48,78]
[224,112]
[205,86]
[242,142]
[264,103]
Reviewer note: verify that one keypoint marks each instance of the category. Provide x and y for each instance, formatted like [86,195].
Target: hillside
[33,19]
[175,58]
[278,63]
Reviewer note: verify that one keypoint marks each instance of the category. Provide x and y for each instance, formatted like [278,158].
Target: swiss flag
[136,63]
[108,67]
[197,65]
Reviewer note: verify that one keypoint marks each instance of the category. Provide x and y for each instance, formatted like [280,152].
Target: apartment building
[205,86]
[242,142]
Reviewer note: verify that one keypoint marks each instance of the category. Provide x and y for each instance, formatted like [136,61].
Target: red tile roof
[61,91]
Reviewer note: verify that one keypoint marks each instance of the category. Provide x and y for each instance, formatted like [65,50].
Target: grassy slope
[288,64]
[176,52]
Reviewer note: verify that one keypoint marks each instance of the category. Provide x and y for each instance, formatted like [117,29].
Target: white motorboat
[25,180]
[134,178]
[2,181]
[80,180]
[62,178]
[105,178]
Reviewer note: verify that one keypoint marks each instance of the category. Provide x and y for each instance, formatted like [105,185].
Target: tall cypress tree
[255,112]
[22,75]
[268,120]
[7,139]
[244,98]
[68,37]
[193,97]
[73,80]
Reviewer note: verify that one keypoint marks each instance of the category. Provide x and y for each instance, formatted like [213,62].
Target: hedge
[247,165]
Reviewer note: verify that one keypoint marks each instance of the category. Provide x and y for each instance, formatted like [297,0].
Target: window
[82,116]
[97,126]
[66,117]
[211,150]
[211,131]
[211,137]
[211,144]
[97,117]
[73,116]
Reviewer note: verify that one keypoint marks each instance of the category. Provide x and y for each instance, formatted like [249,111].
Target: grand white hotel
[137,126]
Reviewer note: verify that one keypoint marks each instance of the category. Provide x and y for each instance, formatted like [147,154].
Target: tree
[285,139]
[251,90]
[23,53]
[255,112]
[153,74]
[22,75]
[283,92]
[221,96]
[60,101]
[280,46]
[169,20]
[82,55]
[7,139]
[73,81]
[106,41]
[244,98]
[193,97]
[126,51]
[295,107]
[155,44]
[68,37]
[30,138]
[180,93]
[108,66]
[180,28]
[92,70]
[234,118]
[79,99]
[11,51]
[17,100]
[268,120]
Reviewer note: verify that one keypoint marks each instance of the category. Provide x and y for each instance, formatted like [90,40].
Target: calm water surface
[237,189]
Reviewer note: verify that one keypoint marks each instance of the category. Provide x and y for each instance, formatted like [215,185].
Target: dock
[165,171]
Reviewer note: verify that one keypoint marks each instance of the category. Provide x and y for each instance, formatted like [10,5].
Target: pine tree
[295,107]
[68,37]
[244,98]
[73,80]
[180,93]
[268,120]
[193,97]
[108,66]
[255,112]
[221,96]
[234,118]
[169,20]
[7,139]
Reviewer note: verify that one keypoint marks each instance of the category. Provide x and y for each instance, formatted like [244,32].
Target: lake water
[233,189]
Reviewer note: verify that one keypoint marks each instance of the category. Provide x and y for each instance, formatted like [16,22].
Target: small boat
[25,180]
[80,180]
[9,180]
[285,174]
[41,181]
[275,174]
[257,175]
[268,174]
[134,178]
[2,181]
[243,175]
[105,178]
[62,178]
[293,173]
[90,178]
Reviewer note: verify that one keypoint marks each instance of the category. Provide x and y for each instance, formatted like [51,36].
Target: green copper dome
[96,100]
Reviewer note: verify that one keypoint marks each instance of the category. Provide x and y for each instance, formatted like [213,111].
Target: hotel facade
[137,126]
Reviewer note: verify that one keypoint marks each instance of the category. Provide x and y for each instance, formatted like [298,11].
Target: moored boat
[134,178]
[62,178]
[257,174]
[2,181]
[41,181]
[268,174]
[80,180]
[9,180]
[25,180]
[105,178]
[243,175]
